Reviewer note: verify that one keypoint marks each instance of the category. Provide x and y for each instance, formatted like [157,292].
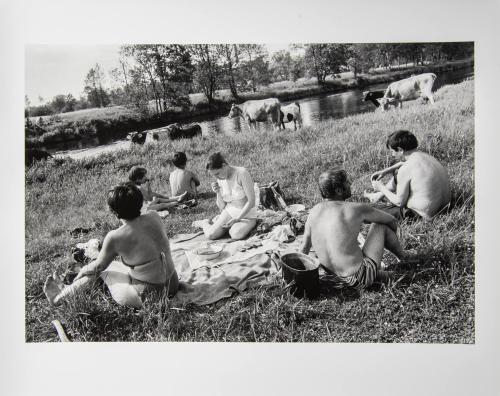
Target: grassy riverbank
[120,120]
[433,303]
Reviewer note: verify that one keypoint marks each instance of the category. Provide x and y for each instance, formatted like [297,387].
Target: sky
[61,69]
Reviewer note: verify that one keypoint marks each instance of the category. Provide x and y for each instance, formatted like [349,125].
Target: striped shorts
[363,278]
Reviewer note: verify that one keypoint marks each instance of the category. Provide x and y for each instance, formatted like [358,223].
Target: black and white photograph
[250,198]
[316,192]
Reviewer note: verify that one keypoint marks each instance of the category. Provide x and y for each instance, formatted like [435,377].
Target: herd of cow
[253,111]
[271,110]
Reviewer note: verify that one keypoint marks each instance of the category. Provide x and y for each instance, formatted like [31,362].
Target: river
[313,109]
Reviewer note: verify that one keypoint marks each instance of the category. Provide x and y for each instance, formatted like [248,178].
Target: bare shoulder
[242,170]
[408,167]
[152,215]
[355,209]
[112,237]
[325,209]
[317,209]
[244,175]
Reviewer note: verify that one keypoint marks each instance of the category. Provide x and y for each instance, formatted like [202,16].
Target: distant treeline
[166,74]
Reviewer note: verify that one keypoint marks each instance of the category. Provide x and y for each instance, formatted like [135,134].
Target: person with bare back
[181,179]
[418,184]
[141,242]
[154,200]
[332,230]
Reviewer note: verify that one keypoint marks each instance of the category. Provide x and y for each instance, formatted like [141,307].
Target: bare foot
[182,197]
[374,196]
[52,287]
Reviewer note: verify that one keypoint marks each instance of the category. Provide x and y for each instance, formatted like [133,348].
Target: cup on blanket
[215,187]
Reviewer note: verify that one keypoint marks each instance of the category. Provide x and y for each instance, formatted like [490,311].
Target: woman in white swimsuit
[146,263]
[235,198]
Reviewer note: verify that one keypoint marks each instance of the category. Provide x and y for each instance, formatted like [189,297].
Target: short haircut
[330,180]
[125,200]
[136,173]
[216,161]
[404,139]
[179,159]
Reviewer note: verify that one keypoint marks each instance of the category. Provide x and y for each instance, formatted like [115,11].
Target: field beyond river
[431,303]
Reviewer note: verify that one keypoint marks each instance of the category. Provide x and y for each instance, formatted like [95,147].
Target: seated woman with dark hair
[235,198]
[144,248]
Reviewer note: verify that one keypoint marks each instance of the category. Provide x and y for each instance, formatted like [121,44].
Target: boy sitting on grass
[157,201]
[418,185]
[332,229]
[181,180]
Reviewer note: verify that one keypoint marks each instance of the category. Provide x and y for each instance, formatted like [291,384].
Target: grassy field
[432,303]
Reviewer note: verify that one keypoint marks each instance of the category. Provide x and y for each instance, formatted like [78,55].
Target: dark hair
[136,173]
[216,161]
[330,180]
[404,139]
[125,200]
[179,159]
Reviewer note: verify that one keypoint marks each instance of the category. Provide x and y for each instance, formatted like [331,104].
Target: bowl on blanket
[208,252]
[296,208]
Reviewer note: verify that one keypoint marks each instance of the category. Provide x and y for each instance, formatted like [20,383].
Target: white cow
[414,87]
[254,111]
[291,113]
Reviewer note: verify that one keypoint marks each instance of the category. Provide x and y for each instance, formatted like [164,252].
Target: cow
[176,131]
[31,155]
[137,137]
[408,89]
[254,111]
[373,96]
[291,113]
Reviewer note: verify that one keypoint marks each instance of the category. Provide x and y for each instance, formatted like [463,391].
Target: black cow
[32,155]
[372,96]
[137,137]
[176,131]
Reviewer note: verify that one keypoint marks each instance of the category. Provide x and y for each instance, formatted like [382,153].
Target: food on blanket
[295,208]
[249,245]
[269,221]
[209,252]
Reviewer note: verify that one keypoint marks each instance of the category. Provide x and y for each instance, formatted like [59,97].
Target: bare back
[181,180]
[429,184]
[142,240]
[334,227]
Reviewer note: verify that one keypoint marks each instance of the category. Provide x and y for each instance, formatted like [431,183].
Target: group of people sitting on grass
[418,186]
[183,185]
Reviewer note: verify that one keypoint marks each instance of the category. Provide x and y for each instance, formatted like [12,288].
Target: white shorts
[234,211]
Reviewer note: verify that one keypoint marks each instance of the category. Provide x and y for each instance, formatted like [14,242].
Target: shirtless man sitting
[419,184]
[332,229]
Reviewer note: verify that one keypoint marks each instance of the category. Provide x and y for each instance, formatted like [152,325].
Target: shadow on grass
[206,195]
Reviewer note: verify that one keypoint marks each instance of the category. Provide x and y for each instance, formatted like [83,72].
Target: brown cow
[408,89]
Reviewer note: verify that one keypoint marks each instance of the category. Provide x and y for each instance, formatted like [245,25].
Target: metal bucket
[301,273]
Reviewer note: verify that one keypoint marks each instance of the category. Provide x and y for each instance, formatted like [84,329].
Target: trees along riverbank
[434,303]
[118,120]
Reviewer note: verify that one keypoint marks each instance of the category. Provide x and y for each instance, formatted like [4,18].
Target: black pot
[301,273]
